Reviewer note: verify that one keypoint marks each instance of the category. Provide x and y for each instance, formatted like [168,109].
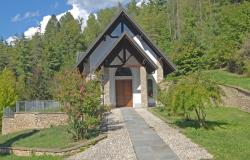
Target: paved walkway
[138,134]
[147,144]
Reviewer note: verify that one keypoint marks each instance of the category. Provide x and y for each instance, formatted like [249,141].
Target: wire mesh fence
[33,106]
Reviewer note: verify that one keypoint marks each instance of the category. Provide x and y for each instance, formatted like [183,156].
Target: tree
[8,92]
[132,8]
[81,100]
[69,35]
[192,93]
[4,59]
[24,59]
[53,59]
[92,30]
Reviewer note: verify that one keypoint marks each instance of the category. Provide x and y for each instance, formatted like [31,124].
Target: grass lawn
[227,136]
[56,137]
[224,77]
[13,157]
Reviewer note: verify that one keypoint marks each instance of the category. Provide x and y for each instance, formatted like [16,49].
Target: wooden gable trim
[146,59]
[134,29]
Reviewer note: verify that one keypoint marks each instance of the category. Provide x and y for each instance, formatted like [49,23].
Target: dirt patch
[236,97]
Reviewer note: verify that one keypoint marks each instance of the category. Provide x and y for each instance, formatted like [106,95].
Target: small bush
[191,93]
[82,102]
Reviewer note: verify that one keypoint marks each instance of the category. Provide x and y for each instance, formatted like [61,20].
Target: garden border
[24,151]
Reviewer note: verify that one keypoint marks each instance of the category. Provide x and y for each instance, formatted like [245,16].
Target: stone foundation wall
[24,121]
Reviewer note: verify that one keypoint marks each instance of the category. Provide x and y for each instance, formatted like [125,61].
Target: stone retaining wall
[24,151]
[23,121]
[236,97]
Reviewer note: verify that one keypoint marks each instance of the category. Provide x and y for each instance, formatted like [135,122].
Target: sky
[19,17]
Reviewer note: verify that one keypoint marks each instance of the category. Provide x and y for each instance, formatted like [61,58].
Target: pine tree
[69,34]
[92,30]
[53,60]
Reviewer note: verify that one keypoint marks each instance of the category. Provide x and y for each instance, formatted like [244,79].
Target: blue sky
[16,16]
[25,16]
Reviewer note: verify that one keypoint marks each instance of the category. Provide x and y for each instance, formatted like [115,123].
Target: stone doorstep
[24,151]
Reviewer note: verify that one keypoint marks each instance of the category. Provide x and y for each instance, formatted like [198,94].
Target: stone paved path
[138,134]
[147,144]
[184,148]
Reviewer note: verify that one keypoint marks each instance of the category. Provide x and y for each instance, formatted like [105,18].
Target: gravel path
[117,146]
[182,146]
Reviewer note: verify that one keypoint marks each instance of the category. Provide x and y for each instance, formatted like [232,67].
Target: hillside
[195,34]
[223,77]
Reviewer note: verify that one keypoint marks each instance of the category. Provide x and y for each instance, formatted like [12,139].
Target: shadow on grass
[195,124]
[11,141]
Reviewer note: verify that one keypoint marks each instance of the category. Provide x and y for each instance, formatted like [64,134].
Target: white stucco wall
[102,49]
[136,81]
[136,88]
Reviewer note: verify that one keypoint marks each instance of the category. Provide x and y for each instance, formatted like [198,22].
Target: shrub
[191,93]
[8,92]
[81,100]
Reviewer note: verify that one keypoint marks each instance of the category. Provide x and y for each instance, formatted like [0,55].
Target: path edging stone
[25,151]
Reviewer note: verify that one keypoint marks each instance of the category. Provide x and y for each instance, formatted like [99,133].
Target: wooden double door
[124,94]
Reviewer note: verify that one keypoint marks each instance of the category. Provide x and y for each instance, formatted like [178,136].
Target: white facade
[142,94]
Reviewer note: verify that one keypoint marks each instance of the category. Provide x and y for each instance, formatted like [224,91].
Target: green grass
[227,136]
[13,157]
[56,137]
[224,77]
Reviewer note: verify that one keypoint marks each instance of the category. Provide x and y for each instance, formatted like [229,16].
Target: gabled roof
[142,57]
[170,66]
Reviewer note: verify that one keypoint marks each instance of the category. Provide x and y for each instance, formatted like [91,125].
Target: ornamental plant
[8,91]
[191,93]
[81,99]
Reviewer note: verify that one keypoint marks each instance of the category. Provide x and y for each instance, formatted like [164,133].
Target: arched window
[123,72]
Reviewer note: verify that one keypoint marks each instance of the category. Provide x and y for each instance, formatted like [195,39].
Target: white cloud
[75,11]
[31,31]
[80,9]
[11,40]
[41,28]
[44,22]
[94,5]
[79,13]
[26,15]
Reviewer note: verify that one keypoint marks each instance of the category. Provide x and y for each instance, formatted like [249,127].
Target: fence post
[17,106]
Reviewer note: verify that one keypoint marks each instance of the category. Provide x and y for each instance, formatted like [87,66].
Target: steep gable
[121,24]
[129,48]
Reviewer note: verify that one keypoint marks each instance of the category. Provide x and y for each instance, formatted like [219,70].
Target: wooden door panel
[124,93]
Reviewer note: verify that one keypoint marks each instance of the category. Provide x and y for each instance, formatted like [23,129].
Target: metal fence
[33,106]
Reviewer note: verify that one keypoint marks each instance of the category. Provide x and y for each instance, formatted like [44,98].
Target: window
[123,72]
[150,88]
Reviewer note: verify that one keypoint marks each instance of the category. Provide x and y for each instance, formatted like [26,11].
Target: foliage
[8,92]
[226,135]
[196,34]
[192,93]
[81,99]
